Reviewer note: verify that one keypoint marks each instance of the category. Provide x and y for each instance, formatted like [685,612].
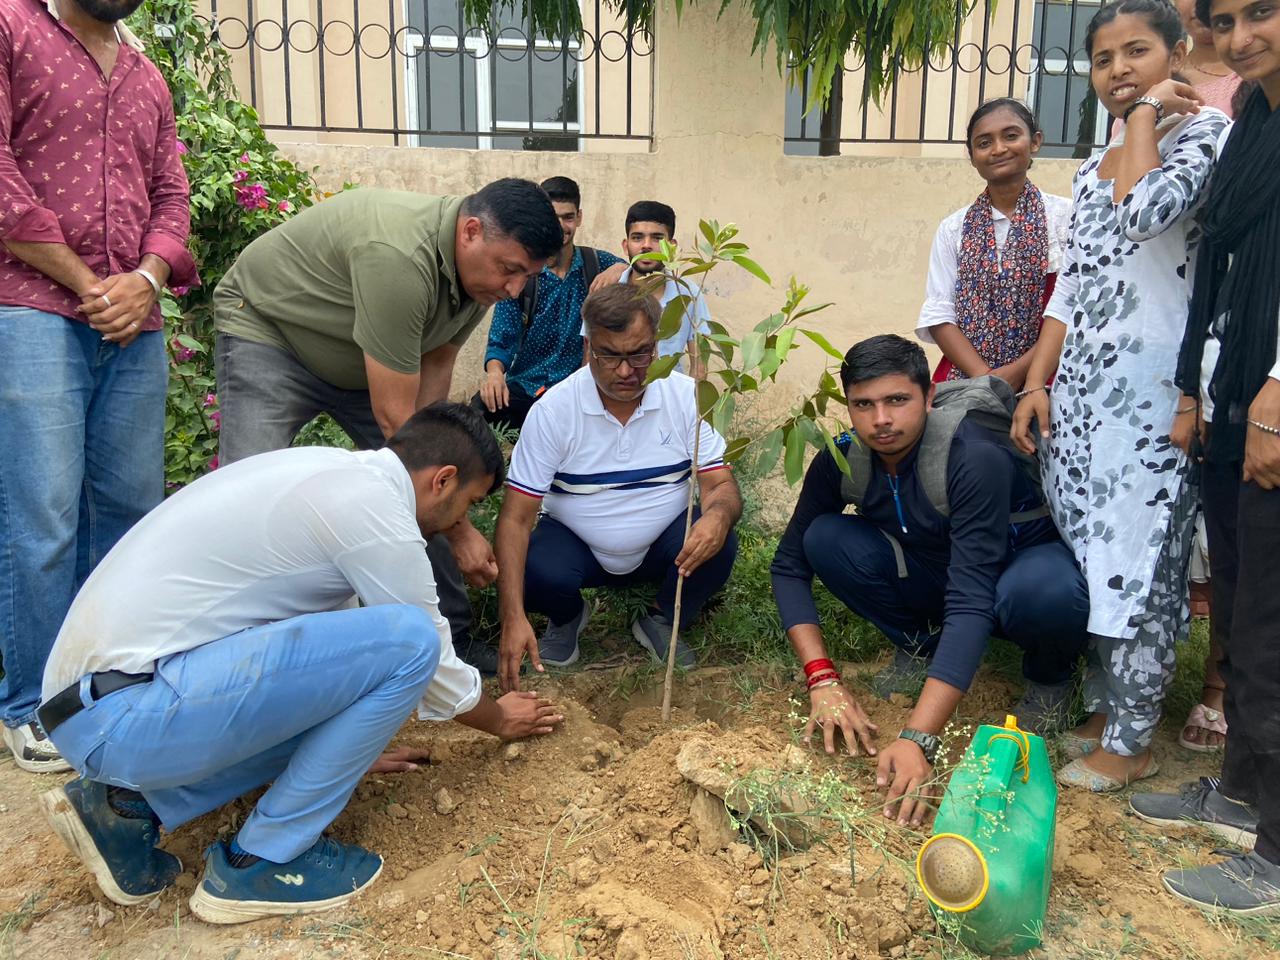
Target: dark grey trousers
[266,396]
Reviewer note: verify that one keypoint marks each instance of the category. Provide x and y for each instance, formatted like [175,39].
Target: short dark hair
[1016,107]
[651,211]
[562,190]
[521,210]
[884,356]
[616,306]
[450,434]
[1161,16]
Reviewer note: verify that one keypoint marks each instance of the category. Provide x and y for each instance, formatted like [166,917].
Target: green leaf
[707,232]
[662,367]
[793,465]
[707,397]
[191,343]
[824,343]
[785,338]
[770,363]
[673,316]
[752,350]
[830,443]
[735,448]
[722,415]
[769,452]
[753,268]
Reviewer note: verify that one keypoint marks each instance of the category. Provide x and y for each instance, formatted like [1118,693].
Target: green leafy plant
[241,186]
[737,367]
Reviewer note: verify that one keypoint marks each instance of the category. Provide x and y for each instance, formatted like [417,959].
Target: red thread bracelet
[817,664]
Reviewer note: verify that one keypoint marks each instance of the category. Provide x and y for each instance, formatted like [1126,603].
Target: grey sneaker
[1200,804]
[558,646]
[32,750]
[1245,885]
[1044,708]
[905,675]
[653,631]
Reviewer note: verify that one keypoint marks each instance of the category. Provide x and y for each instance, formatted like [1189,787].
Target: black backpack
[529,296]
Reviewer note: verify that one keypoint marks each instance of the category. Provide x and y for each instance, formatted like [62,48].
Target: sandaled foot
[1205,730]
[1079,774]
[1075,746]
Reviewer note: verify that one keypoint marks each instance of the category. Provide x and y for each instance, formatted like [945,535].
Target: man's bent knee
[412,632]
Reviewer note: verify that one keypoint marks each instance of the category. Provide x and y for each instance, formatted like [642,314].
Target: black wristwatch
[927,743]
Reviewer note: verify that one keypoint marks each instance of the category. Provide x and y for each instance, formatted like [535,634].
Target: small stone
[421,916]
[445,804]
[512,751]
[102,916]
[528,794]
[415,811]
[471,870]
[483,930]
[588,762]
[651,846]
[760,876]
[484,803]
[397,812]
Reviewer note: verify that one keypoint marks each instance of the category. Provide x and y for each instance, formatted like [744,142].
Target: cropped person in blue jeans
[216,649]
[94,220]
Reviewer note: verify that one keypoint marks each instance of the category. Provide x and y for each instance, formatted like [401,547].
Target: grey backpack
[987,401]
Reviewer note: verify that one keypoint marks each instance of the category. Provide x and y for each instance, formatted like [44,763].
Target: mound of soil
[611,839]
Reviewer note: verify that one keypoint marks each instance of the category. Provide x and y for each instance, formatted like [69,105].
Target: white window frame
[487,125]
[1057,67]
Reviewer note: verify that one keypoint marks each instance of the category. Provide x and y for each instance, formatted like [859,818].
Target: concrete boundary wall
[857,230]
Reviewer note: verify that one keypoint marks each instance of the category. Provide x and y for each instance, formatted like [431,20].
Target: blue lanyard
[897,502]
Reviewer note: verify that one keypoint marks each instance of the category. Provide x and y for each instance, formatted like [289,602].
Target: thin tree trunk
[688,525]
[832,111]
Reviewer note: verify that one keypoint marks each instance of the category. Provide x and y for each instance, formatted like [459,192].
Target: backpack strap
[590,266]
[528,300]
[853,488]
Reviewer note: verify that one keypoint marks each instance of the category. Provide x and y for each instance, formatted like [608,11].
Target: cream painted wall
[857,230]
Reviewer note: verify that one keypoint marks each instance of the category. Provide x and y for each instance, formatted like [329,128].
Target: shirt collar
[574,264]
[123,34]
[589,401]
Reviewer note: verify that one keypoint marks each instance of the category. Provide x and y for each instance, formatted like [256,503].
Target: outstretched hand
[400,760]
[833,708]
[908,777]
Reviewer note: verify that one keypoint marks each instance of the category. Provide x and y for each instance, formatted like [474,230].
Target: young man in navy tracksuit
[938,582]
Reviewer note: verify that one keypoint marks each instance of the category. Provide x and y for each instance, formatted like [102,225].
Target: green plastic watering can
[986,869]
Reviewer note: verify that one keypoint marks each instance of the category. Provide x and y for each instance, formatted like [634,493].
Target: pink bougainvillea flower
[284,206]
[216,419]
[244,158]
[252,197]
[183,149]
[180,353]
[213,462]
[181,290]
[240,176]
[210,399]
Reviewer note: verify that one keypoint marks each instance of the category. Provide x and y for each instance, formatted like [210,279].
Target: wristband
[824,683]
[818,664]
[823,679]
[147,275]
[1026,393]
[1190,409]
[1265,428]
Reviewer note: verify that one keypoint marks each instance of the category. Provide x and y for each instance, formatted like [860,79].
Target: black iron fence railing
[414,72]
[1029,49]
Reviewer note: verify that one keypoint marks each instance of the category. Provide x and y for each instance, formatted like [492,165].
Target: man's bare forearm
[511,545]
[58,262]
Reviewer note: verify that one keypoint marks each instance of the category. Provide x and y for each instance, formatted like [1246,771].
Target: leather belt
[63,706]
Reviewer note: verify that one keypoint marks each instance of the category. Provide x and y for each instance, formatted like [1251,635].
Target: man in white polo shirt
[607,460]
[215,650]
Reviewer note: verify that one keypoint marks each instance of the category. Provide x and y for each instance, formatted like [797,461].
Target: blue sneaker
[119,851]
[326,875]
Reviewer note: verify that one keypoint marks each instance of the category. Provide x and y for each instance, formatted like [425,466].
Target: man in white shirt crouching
[607,460]
[210,653]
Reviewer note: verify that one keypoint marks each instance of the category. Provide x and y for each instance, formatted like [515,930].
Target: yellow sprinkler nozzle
[1011,722]
[952,872]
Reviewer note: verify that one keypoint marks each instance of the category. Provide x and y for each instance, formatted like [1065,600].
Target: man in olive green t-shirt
[357,307]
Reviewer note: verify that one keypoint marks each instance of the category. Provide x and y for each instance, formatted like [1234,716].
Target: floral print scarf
[999,298]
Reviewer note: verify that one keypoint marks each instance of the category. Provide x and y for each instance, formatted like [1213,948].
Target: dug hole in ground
[611,839]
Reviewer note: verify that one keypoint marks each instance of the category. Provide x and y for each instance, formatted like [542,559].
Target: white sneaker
[32,750]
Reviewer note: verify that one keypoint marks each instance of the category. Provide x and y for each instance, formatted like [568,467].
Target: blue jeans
[1041,599]
[559,565]
[81,461]
[308,703]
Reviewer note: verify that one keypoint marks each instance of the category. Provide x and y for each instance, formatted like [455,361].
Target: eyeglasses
[636,361]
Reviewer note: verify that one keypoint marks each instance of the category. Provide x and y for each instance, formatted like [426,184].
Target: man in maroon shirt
[94,220]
